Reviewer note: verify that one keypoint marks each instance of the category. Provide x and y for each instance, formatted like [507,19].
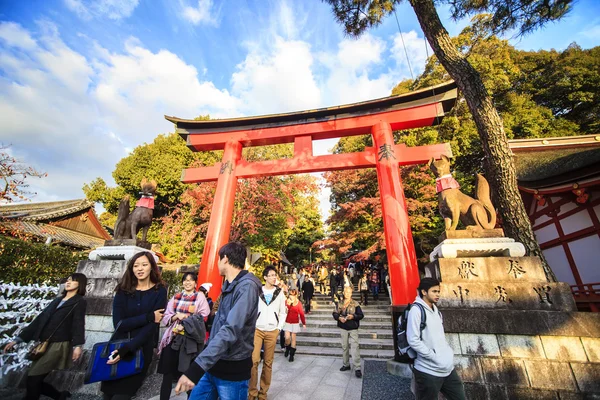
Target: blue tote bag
[98,370]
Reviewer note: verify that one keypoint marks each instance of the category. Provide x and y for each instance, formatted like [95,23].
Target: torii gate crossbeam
[377,117]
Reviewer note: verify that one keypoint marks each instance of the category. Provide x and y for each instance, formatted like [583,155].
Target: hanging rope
[403,45]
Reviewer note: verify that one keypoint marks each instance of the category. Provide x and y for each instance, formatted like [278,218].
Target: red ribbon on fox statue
[129,224]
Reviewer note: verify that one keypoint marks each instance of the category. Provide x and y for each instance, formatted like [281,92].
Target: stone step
[362,333]
[387,344]
[327,311]
[378,303]
[320,324]
[335,352]
[372,318]
[355,295]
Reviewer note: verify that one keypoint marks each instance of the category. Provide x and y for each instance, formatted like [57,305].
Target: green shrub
[28,262]
[173,281]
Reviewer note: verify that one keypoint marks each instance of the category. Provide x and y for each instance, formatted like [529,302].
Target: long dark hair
[128,282]
[79,278]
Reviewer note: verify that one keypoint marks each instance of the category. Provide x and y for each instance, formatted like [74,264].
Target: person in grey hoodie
[434,364]
[224,367]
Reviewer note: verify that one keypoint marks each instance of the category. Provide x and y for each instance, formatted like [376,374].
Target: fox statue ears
[148,186]
[444,157]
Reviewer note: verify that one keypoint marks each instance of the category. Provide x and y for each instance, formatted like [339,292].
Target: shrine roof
[58,234]
[44,211]
[43,219]
[552,162]
[445,93]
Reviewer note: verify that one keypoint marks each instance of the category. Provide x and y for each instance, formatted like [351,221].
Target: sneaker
[345,368]
[357,373]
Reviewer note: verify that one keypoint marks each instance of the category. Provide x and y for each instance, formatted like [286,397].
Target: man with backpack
[434,364]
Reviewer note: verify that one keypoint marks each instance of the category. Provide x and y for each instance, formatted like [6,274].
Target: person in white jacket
[434,366]
[271,318]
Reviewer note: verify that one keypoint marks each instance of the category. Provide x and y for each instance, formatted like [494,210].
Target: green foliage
[28,262]
[173,281]
[268,211]
[163,160]
[515,80]
[566,82]
[357,16]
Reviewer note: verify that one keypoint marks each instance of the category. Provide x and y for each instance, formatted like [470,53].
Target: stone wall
[524,366]
[514,335]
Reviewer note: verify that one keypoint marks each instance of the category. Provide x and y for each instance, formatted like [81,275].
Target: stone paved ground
[309,377]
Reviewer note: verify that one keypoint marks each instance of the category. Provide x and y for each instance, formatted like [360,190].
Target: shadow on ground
[379,385]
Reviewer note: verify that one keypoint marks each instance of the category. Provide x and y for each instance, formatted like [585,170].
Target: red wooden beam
[303,162]
[415,117]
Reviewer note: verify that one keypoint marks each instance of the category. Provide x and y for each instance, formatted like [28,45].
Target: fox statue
[474,213]
[129,224]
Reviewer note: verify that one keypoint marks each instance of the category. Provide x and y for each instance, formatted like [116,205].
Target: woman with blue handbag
[60,329]
[138,308]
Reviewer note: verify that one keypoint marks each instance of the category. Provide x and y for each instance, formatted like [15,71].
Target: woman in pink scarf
[184,304]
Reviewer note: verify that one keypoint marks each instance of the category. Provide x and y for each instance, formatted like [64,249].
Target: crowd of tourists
[213,349]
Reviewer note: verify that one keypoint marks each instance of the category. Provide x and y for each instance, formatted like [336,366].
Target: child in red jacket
[292,323]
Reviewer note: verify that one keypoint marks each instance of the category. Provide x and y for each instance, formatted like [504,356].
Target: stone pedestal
[117,253]
[128,242]
[514,335]
[479,247]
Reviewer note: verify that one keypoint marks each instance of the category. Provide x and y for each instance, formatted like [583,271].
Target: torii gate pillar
[221,214]
[402,259]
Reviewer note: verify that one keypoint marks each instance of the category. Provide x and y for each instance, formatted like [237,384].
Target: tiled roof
[58,234]
[548,162]
[44,211]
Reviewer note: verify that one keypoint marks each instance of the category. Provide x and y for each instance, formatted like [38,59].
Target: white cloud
[278,79]
[202,14]
[112,9]
[15,36]
[349,77]
[75,118]
[592,32]
[416,50]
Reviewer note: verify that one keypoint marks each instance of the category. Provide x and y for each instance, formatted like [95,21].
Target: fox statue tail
[120,230]
[482,193]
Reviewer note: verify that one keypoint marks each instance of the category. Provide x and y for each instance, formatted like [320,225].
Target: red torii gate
[378,117]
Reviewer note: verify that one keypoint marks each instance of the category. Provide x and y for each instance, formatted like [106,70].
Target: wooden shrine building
[559,180]
[70,223]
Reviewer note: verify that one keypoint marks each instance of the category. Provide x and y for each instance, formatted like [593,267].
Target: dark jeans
[429,386]
[375,290]
[117,397]
[364,297]
[307,304]
[36,386]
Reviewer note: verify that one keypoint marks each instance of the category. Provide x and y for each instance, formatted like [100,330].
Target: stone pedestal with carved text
[514,334]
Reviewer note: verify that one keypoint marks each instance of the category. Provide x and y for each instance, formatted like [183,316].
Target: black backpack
[403,346]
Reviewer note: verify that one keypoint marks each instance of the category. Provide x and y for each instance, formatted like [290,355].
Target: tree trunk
[498,162]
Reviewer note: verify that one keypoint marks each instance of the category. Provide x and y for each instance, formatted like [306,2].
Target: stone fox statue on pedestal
[474,213]
[129,224]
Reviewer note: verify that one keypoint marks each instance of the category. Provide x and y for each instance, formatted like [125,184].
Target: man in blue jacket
[223,368]
[434,366]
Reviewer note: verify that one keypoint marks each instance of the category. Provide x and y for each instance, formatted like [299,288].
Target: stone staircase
[322,336]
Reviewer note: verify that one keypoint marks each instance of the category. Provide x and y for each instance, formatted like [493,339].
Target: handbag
[39,349]
[98,370]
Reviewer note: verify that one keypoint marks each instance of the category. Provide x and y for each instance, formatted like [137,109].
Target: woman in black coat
[138,307]
[62,324]
[308,291]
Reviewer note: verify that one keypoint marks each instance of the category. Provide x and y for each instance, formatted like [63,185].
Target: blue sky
[82,82]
